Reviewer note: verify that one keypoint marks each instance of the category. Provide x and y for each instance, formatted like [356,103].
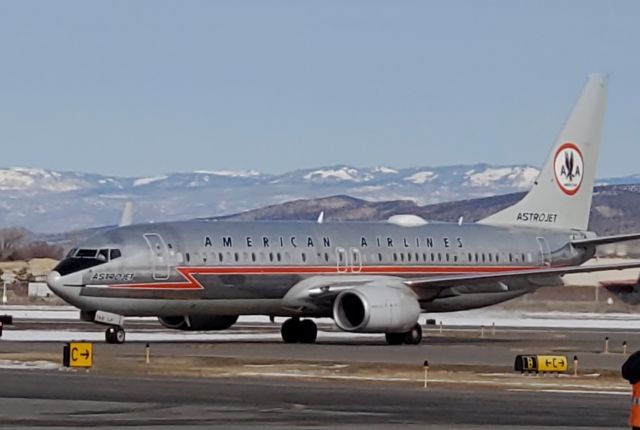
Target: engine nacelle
[376,309]
[199,322]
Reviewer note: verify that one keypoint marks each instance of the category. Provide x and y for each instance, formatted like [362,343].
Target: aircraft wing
[595,241]
[453,280]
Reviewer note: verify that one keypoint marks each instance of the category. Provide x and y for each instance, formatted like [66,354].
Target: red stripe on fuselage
[191,283]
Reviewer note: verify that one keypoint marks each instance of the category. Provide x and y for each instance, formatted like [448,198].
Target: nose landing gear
[295,331]
[115,334]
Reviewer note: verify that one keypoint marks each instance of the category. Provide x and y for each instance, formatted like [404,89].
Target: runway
[246,378]
[73,400]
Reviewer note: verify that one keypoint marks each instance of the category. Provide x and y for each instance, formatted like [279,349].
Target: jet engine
[376,309]
[199,322]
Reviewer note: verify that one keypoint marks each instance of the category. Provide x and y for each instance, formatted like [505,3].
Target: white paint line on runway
[554,391]
[535,386]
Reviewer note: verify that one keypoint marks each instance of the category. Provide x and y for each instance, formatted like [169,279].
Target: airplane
[369,277]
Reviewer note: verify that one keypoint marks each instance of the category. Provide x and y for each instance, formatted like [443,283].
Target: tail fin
[561,195]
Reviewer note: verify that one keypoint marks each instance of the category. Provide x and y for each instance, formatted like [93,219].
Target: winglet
[127,215]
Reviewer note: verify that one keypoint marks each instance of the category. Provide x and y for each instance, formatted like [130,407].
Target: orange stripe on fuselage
[191,283]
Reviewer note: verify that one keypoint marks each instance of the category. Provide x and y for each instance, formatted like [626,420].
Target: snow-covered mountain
[49,201]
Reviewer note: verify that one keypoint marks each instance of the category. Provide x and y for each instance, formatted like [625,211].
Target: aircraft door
[341,259]
[545,251]
[159,254]
[356,260]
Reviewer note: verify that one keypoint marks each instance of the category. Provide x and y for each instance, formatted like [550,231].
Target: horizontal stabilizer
[468,279]
[595,241]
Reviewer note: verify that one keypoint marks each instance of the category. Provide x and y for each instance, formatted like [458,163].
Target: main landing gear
[115,334]
[296,331]
[412,337]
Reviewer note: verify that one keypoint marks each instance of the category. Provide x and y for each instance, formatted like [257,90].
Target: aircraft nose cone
[54,281]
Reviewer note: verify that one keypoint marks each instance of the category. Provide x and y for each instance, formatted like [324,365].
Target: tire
[290,331]
[119,336]
[308,331]
[394,338]
[109,335]
[413,336]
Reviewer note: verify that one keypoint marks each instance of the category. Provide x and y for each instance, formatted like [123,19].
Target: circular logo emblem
[569,168]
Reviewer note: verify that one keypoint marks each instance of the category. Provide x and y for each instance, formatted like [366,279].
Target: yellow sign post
[541,363]
[78,354]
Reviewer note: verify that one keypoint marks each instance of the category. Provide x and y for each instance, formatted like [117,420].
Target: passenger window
[470,257]
[380,257]
[395,257]
[188,257]
[490,258]
[271,256]
[447,257]
[409,256]
[114,253]
[253,257]
[236,256]
[220,257]
[279,256]
[326,256]
[439,257]
[304,257]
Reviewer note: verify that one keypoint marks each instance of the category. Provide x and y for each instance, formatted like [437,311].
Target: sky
[147,87]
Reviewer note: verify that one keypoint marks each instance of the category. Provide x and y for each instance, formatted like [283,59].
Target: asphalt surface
[454,346]
[99,399]
[76,400]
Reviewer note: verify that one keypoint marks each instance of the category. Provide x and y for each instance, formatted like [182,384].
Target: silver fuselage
[239,268]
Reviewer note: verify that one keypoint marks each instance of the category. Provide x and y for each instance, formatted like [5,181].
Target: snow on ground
[37,365]
[476,317]
[163,336]
[146,181]
[422,177]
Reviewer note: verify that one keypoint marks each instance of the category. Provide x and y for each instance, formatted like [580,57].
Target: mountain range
[47,201]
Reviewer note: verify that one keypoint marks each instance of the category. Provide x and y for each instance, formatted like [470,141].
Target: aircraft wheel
[115,335]
[109,335]
[290,330]
[120,335]
[413,336]
[394,338]
[308,331]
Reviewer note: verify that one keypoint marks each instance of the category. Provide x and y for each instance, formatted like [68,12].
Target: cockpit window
[86,253]
[71,252]
[85,258]
[103,254]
